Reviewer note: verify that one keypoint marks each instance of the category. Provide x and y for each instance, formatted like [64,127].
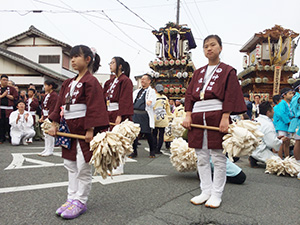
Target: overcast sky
[87,22]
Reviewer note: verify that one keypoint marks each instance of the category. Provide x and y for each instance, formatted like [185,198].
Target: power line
[53,24]
[136,15]
[57,6]
[126,34]
[192,20]
[161,5]
[25,12]
[201,16]
[85,12]
[127,24]
[101,27]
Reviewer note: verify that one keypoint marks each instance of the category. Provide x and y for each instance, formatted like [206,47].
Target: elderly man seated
[270,142]
[21,123]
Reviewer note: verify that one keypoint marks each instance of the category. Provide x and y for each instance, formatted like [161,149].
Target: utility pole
[178,7]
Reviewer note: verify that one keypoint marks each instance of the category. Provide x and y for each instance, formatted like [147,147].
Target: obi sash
[6,107]
[76,111]
[113,106]
[45,112]
[207,105]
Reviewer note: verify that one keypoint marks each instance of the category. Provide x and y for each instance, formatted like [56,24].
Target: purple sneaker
[66,205]
[75,210]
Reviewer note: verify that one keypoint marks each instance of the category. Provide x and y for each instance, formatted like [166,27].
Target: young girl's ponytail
[126,68]
[96,63]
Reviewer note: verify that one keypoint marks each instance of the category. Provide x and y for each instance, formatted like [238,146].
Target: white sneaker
[298,176]
[200,199]
[213,202]
[42,153]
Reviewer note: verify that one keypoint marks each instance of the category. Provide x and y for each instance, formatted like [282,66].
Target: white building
[33,57]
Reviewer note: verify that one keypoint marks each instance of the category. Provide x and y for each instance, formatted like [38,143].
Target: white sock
[200,199]
[213,202]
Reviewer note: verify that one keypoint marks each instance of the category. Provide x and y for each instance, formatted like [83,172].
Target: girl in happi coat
[47,108]
[214,93]
[85,114]
[118,91]
[118,96]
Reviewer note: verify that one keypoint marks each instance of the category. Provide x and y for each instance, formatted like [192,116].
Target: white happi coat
[23,127]
[269,140]
[150,95]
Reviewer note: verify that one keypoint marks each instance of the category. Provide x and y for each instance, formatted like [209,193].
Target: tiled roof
[33,31]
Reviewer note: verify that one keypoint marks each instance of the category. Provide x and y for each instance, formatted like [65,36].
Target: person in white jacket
[21,123]
[270,142]
[143,102]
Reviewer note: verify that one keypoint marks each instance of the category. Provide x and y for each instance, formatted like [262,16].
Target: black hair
[246,95]
[4,75]
[86,52]
[264,107]
[50,82]
[31,89]
[126,68]
[125,65]
[218,39]
[257,95]
[149,77]
[276,99]
[20,101]
[284,91]
[245,116]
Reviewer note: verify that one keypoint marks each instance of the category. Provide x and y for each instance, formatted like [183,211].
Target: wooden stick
[77,136]
[205,127]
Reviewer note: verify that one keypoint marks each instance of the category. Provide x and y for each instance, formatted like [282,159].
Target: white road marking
[115,179]
[124,178]
[165,153]
[18,160]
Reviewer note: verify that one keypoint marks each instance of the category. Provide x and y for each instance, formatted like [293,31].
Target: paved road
[33,187]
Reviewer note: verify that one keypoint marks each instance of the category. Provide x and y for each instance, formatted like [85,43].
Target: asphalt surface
[32,190]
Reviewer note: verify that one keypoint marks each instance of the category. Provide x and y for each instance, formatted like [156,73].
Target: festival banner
[276,83]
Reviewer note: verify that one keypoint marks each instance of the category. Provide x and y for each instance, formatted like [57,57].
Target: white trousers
[208,186]
[49,144]
[80,177]
[17,137]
